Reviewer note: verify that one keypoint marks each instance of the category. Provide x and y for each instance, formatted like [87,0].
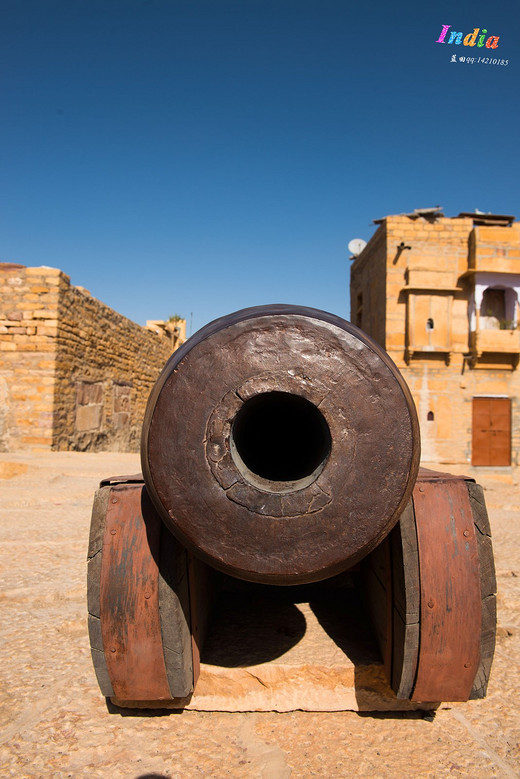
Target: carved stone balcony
[503,342]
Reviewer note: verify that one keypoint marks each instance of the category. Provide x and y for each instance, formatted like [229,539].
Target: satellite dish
[356,246]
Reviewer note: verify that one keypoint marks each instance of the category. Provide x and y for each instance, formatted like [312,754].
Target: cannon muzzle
[280,444]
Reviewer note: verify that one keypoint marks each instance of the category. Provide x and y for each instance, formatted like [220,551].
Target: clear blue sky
[200,156]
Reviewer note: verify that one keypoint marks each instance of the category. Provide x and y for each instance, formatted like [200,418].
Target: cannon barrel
[280,444]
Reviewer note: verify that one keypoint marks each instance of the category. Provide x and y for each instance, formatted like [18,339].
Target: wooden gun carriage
[281,447]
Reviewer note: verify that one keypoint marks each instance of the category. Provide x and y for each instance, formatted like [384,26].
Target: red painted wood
[129,598]
[450,619]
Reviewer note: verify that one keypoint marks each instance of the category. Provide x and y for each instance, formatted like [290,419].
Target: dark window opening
[493,309]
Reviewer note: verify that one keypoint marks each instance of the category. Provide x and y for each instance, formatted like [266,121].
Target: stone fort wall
[74,374]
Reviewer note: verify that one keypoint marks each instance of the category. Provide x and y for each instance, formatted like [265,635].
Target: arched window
[493,309]
[429,324]
[430,416]
[495,302]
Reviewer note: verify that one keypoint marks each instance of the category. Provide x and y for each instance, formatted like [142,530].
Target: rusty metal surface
[129,598]
[427,474]
[134,478]
[272,532]
[450,618]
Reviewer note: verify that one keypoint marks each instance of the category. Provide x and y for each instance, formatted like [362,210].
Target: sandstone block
[88,418]
[19,396]
[39,289]
[49,330]
[41,270]
[89,393]
[25,346]
[46,313]
[43,440]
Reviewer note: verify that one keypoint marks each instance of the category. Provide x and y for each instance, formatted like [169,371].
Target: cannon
[280,447]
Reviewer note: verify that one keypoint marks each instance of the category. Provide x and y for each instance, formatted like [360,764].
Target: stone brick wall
[367,288]
[28,328]
[436,258]
[486,243]
[430,278]
[74,374]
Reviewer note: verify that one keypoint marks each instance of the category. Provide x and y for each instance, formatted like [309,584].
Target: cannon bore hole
[280,442]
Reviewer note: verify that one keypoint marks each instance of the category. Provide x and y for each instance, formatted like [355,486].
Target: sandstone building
[441,295]
[74,374]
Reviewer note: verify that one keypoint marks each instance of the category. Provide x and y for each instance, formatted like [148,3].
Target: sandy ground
[55,723]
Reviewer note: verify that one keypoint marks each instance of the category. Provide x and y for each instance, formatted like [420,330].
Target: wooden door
[491,431]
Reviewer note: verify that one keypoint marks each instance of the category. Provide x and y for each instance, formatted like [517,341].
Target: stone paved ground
[54,722]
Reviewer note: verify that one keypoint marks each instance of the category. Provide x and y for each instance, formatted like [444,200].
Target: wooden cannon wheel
[280,444]
[431,591]
[138,599]
[430,588]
